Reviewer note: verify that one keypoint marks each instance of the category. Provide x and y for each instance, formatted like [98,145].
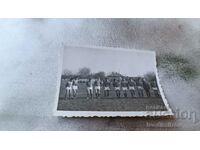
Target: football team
[121,86]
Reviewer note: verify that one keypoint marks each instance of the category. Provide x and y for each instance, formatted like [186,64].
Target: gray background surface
[29,61]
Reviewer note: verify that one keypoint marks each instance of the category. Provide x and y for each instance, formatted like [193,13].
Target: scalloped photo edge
[110,113]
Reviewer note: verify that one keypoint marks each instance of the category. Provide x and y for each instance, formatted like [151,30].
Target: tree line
[85,73]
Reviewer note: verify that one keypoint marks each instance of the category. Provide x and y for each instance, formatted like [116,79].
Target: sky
[126,62]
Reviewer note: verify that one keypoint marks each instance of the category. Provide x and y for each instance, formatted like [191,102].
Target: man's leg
[73,91]
[88,93]
[91,93]
[125,93]
[98,92]
[149,94]
[108,91]
[156,93]
[75,94]
[140,92]
[69,92]
[116,93]
[95,91]
[65,94]
[132,93]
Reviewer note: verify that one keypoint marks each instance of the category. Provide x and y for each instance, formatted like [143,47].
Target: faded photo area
[109,82]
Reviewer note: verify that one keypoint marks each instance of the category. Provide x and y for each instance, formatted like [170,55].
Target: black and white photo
[109,82]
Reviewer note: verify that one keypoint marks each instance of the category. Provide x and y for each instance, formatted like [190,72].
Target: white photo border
[110,113]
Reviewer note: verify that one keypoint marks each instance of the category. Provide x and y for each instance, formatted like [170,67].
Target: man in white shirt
[68,89]
[75,87]
[131,85]
[97,87]
[89,85]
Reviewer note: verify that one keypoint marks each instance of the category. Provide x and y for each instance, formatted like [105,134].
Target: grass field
[111,103]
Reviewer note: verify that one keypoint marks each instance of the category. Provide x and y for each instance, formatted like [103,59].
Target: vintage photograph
[94,74]
[109,82]
[99,66]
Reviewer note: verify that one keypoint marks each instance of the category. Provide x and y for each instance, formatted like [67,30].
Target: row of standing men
[125,84]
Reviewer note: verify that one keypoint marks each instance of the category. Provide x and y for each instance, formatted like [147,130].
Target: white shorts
[68,88]
[75,87]
[155,88]
[131,88]
[124,88]
[107,88]
[117,88]
[140,87]
[97,87]
[89,88]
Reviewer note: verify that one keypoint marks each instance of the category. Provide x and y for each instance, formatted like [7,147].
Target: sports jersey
[106,83]
[89,83]
[116,84]
[132,83]
[69,84]
[154,84]
[97,83]
[75,82]
[124,84]
[146,85]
